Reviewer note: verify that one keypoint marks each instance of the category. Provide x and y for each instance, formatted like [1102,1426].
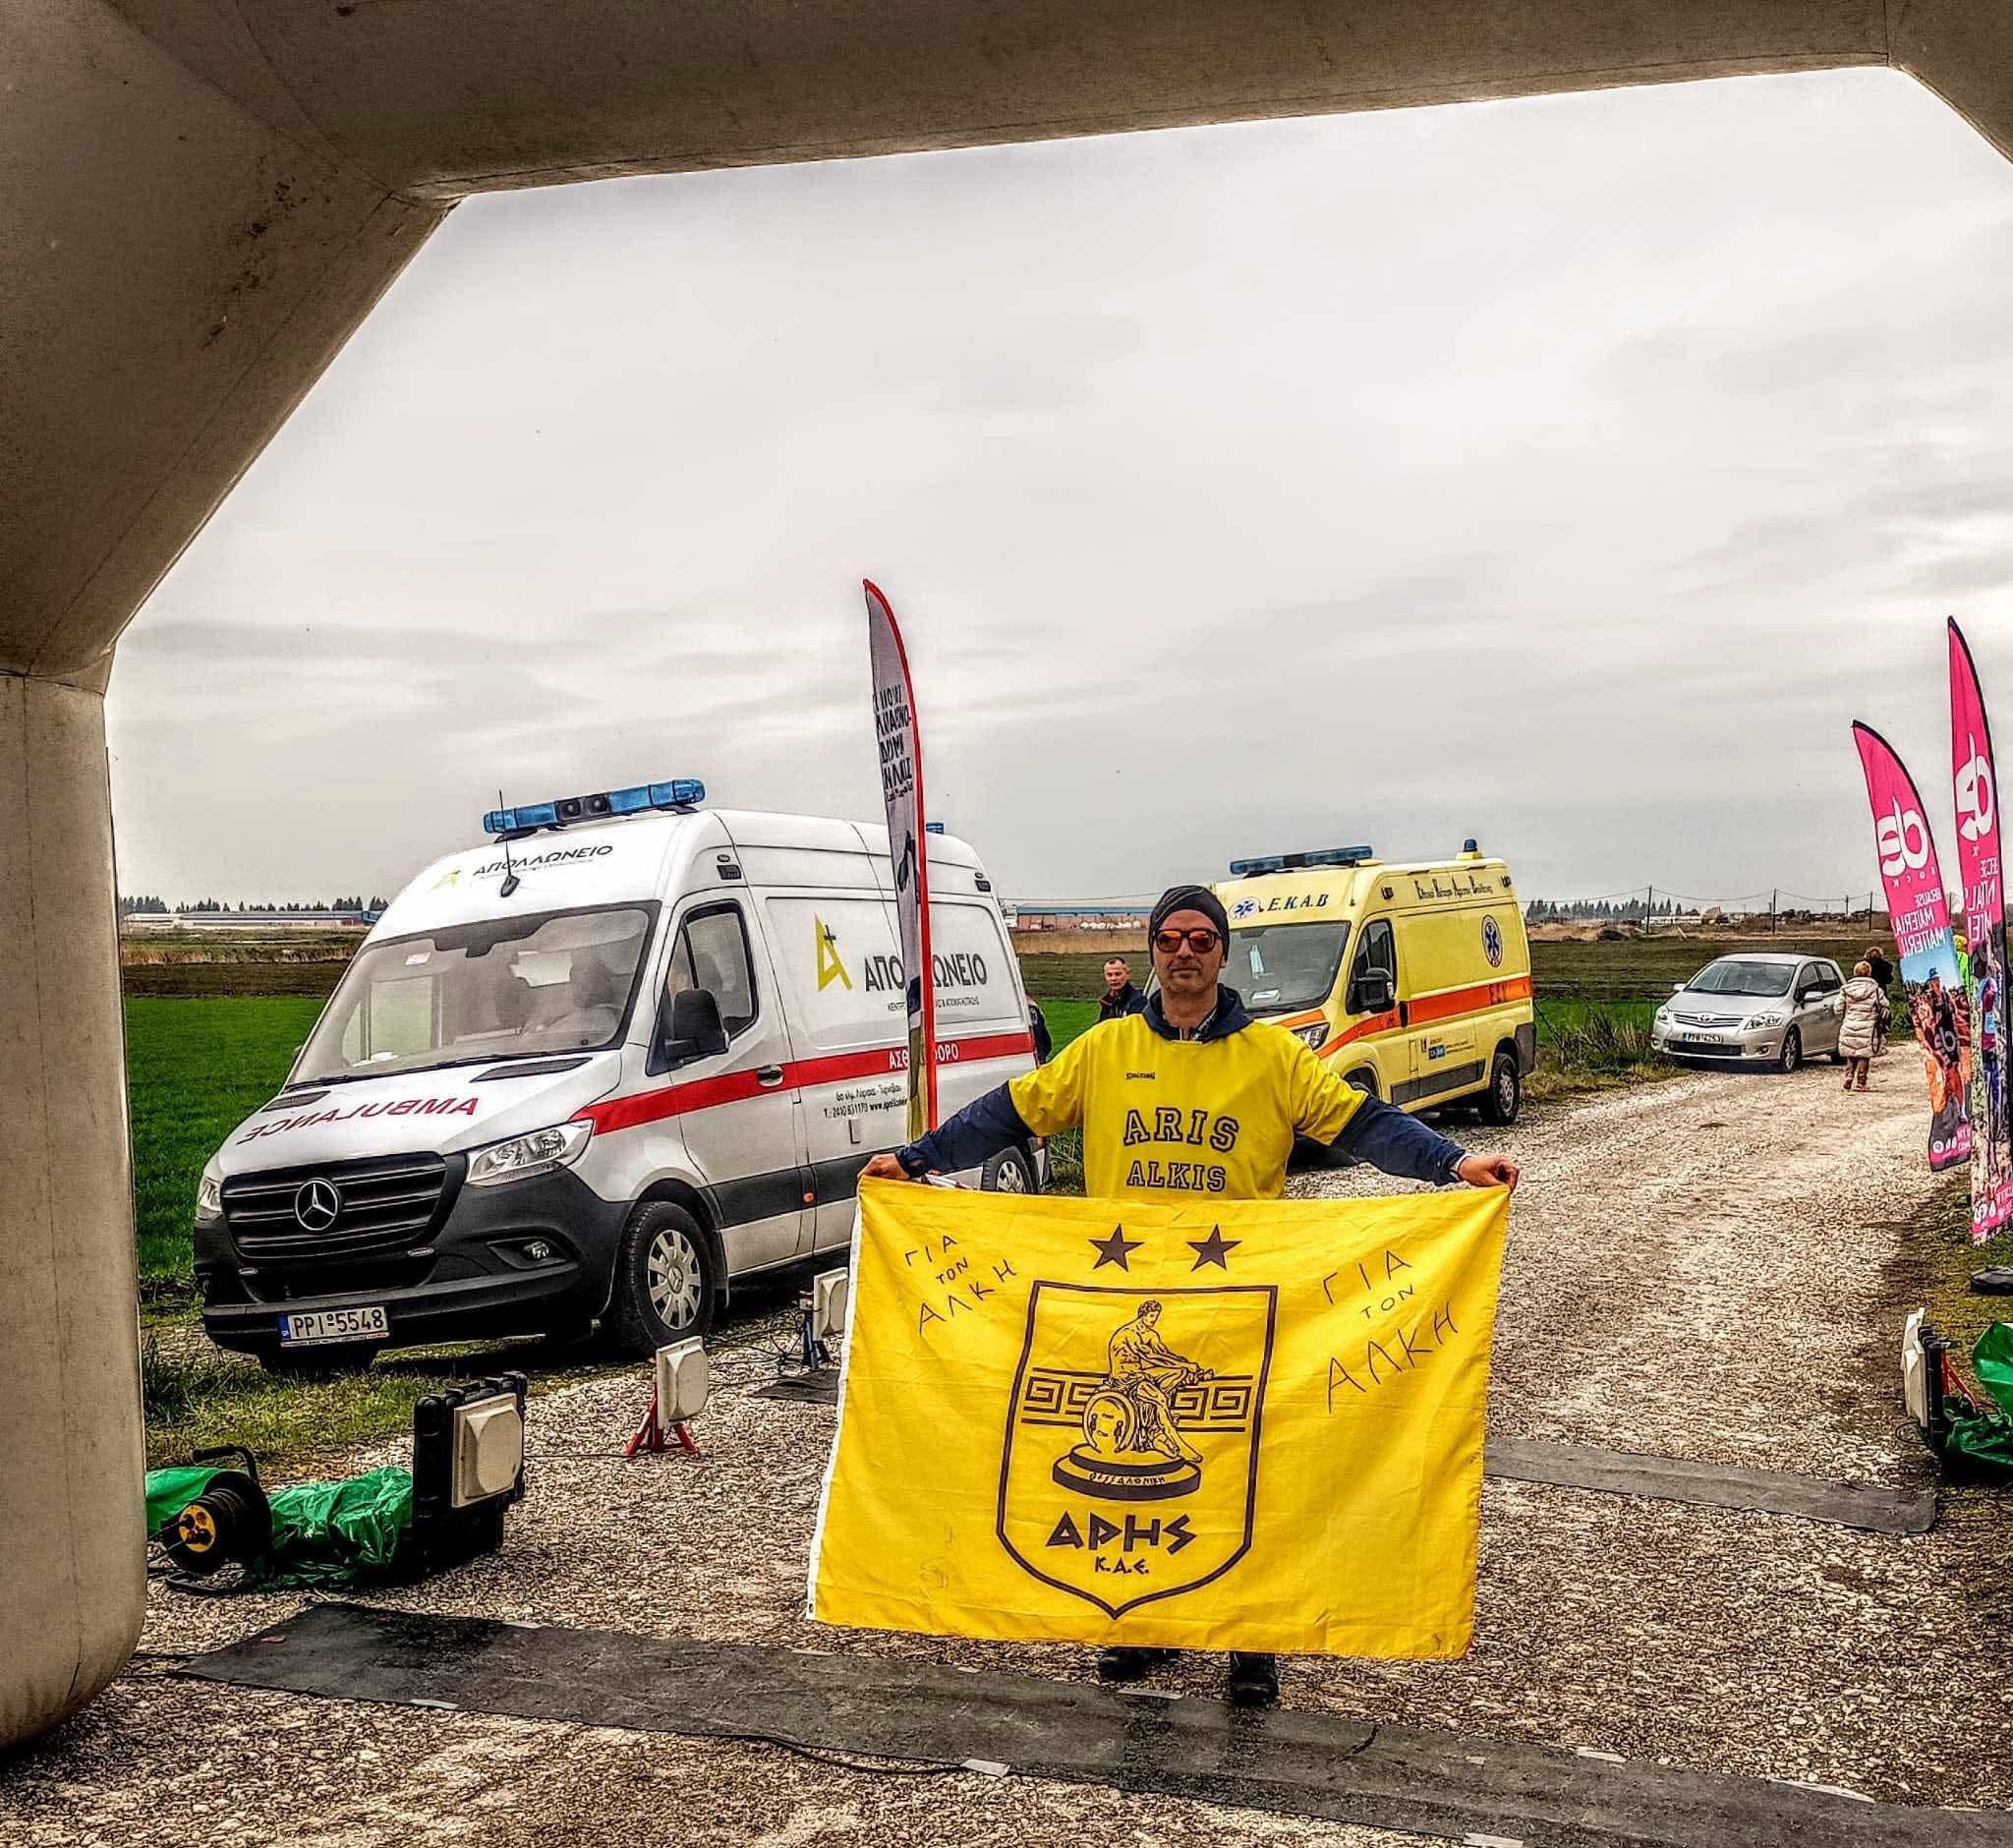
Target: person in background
[1882,972]
[1864,1001]
[1990,1047]
[1226,1096]
[1119,997]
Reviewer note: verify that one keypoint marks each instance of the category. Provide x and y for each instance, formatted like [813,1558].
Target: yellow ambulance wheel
[1503,1099]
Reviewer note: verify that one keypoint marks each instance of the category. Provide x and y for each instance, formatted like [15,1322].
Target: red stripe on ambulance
[1428,1008]
[732,1087]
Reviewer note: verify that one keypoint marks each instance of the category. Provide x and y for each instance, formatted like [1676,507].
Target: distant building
[1079,917]
[248,920]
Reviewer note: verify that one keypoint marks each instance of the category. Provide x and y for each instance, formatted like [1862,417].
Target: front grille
[388,1207]
[1708,1019]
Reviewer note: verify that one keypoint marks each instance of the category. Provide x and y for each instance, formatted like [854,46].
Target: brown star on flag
[1214,1250]
[1113,1250]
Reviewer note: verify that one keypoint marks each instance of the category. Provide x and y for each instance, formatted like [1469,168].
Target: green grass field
[195,1070]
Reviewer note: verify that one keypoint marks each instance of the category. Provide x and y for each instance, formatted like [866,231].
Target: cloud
[1568,471]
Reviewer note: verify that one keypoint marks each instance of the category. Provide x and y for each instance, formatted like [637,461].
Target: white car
[592,1070]
[1760,1009]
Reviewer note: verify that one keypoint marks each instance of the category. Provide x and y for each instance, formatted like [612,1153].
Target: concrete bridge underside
[201,198]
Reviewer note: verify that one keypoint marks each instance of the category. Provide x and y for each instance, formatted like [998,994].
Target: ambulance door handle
[768,1077]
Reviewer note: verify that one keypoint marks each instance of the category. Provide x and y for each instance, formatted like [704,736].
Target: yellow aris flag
[1229,1426]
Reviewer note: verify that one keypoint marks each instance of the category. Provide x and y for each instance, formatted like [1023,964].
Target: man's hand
[884,1167]
[1482,1170]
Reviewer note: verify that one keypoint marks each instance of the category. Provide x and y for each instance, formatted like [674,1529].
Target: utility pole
[1774,923]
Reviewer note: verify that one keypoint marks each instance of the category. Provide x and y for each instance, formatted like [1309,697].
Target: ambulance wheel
[1008,1172]
[665,1286]
[320,1363]
[1503,1099]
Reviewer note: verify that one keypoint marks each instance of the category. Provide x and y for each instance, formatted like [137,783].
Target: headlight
[1663,1015]
[534,1154]
[210,1200]
[1315,1036]
[1770,1019]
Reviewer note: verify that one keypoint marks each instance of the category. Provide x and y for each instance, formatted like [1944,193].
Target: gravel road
[1697,1269]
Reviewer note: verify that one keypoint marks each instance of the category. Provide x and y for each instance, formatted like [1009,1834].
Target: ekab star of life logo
[1129,1470]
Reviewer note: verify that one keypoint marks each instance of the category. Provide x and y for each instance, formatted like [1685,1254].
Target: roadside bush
[1600,1040]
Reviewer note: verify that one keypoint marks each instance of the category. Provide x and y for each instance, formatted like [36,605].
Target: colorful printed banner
[1919,915]
[1253,1425]
[1982,948]
[901,791]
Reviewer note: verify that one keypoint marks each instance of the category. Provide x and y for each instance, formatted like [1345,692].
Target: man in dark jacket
[1120,996]
[1192,1098]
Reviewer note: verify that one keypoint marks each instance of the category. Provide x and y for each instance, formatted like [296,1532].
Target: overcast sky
[1568,472]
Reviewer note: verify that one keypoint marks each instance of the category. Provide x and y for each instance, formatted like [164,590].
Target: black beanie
[1187,898]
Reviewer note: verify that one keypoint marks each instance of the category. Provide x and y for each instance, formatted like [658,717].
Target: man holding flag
[1192,1098]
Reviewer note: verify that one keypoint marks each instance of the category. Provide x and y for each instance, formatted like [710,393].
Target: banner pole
[898,743]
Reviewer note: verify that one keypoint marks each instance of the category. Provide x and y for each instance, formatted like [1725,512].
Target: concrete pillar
[72,1582]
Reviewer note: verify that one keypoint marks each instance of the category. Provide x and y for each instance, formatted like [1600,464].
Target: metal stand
[656,1438]
[815,1355]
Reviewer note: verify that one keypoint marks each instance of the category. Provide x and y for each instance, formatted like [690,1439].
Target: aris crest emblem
[1129,1470]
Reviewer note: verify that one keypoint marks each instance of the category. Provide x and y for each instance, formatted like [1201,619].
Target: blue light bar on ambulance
[683,793]
[1293,862]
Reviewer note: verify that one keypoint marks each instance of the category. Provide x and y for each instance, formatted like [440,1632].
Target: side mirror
[688,1026]
[1376,992]
[1677,988]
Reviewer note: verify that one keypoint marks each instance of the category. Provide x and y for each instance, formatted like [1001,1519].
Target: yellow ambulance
[1415,978]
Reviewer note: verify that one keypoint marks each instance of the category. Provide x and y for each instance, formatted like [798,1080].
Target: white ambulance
[630,1050]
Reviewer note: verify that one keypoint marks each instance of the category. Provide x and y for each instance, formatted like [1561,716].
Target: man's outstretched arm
[980,1131]
[1355,1126]
[1037,1103]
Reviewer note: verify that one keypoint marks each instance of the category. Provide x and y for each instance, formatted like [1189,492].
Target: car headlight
[535,1154]
[210,1200]
[1770,1019]
[1663,1015]
[1315,1035]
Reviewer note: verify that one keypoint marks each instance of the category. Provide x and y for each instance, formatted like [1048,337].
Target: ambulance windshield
[505,988]
[1279,968]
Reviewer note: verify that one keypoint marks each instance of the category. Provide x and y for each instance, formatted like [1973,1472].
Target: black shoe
[1253,1681]
[1131,1664]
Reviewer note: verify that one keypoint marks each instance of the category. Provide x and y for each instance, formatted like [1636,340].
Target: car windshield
[553,982]
[1279,968]
[1730,976]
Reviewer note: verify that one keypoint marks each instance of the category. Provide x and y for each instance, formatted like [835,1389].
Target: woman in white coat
[1858,1030]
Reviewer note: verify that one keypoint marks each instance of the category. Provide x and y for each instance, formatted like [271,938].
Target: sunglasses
[1202,941]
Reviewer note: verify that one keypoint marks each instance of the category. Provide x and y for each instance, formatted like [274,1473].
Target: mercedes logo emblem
[318,1205]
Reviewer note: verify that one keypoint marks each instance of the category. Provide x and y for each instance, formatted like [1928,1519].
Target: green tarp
[169,1492]
[330,1533]
[1987,1436]
[322,1533]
